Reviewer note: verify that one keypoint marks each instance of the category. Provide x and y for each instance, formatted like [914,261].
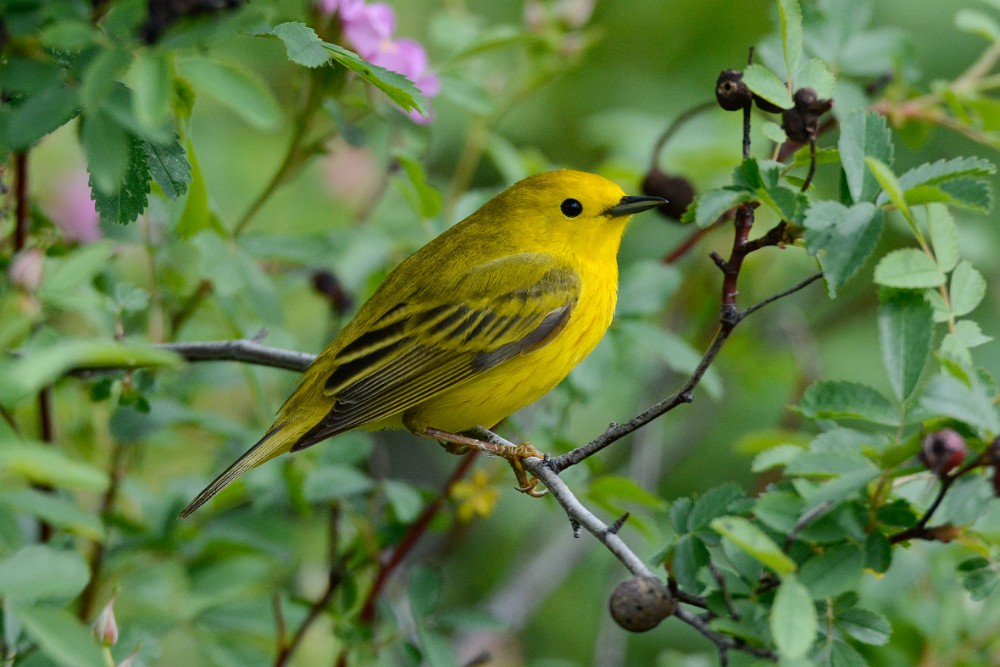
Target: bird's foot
[457,443]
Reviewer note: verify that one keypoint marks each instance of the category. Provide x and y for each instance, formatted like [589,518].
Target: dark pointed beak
[635,204]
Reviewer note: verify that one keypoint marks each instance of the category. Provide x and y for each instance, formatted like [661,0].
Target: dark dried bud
[801,122]
[677,190]
[329,286]
[730,91]
[943,451]
[640,603]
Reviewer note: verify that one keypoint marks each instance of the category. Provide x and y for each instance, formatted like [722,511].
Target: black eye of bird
[571,208]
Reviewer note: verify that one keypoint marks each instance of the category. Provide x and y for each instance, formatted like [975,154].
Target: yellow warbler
[477,324]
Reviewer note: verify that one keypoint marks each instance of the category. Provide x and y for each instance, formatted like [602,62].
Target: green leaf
[841,238]
[106,145]
[690,556]
[863,135]
[891,188]
[816,75]
[713,503]
[303,44]
[755,542]
[39,368]
[128,200]
[236,88]
[153,88]
[66,275]
[906,326]
[968,287]
[766,84]
[837,399]
[774,457]
[68,35]
[41,464]
[609,490]
[335,482]
[400,90]
[100,76]
[406,501]
[944,236]
[424,590]
[969,334]
[169,167]
[790,21]
[56,510]
[962,181]
[908,268]
[978,577]
[843,654]
[878,552]
[868,627]
[60,636]
[426,200]
[833,572]
[40,114]
[710,206]
[948,396]
[40,572]
[829,463]
[793,619]
[941,171]
[977,23]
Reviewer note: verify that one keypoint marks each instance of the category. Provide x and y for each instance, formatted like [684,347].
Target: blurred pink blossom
[73,210]
[370,28]
[26,269]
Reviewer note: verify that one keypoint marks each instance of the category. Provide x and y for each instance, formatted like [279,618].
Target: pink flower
[73,210]
[370,30]
[345,7]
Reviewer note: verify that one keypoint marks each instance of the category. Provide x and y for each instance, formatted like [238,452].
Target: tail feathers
[267,448]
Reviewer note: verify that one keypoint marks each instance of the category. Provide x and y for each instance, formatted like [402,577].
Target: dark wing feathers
[428,343]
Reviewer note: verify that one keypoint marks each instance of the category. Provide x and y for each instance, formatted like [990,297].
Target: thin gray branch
[242,350]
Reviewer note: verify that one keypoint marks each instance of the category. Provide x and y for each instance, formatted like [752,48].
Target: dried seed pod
[730,91]
[942,451]
[801,122]
[677,190]
[328,285]
[639,604]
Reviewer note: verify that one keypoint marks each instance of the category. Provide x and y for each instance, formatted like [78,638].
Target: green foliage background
[203,591]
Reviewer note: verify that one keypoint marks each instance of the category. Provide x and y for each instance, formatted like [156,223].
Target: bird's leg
[456,443]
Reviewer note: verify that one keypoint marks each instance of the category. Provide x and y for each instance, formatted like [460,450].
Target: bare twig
[920,531]
[804,521]
[247,351]
[723,642]
[89,594]
[21,207]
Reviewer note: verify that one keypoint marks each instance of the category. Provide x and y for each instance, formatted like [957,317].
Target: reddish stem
[21,198]
[413,534]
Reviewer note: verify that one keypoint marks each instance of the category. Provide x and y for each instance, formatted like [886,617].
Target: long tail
[267,448]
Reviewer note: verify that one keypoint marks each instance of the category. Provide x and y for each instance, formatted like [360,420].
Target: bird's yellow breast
[489,398]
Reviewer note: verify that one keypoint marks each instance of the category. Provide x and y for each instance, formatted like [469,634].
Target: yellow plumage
[477,324]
